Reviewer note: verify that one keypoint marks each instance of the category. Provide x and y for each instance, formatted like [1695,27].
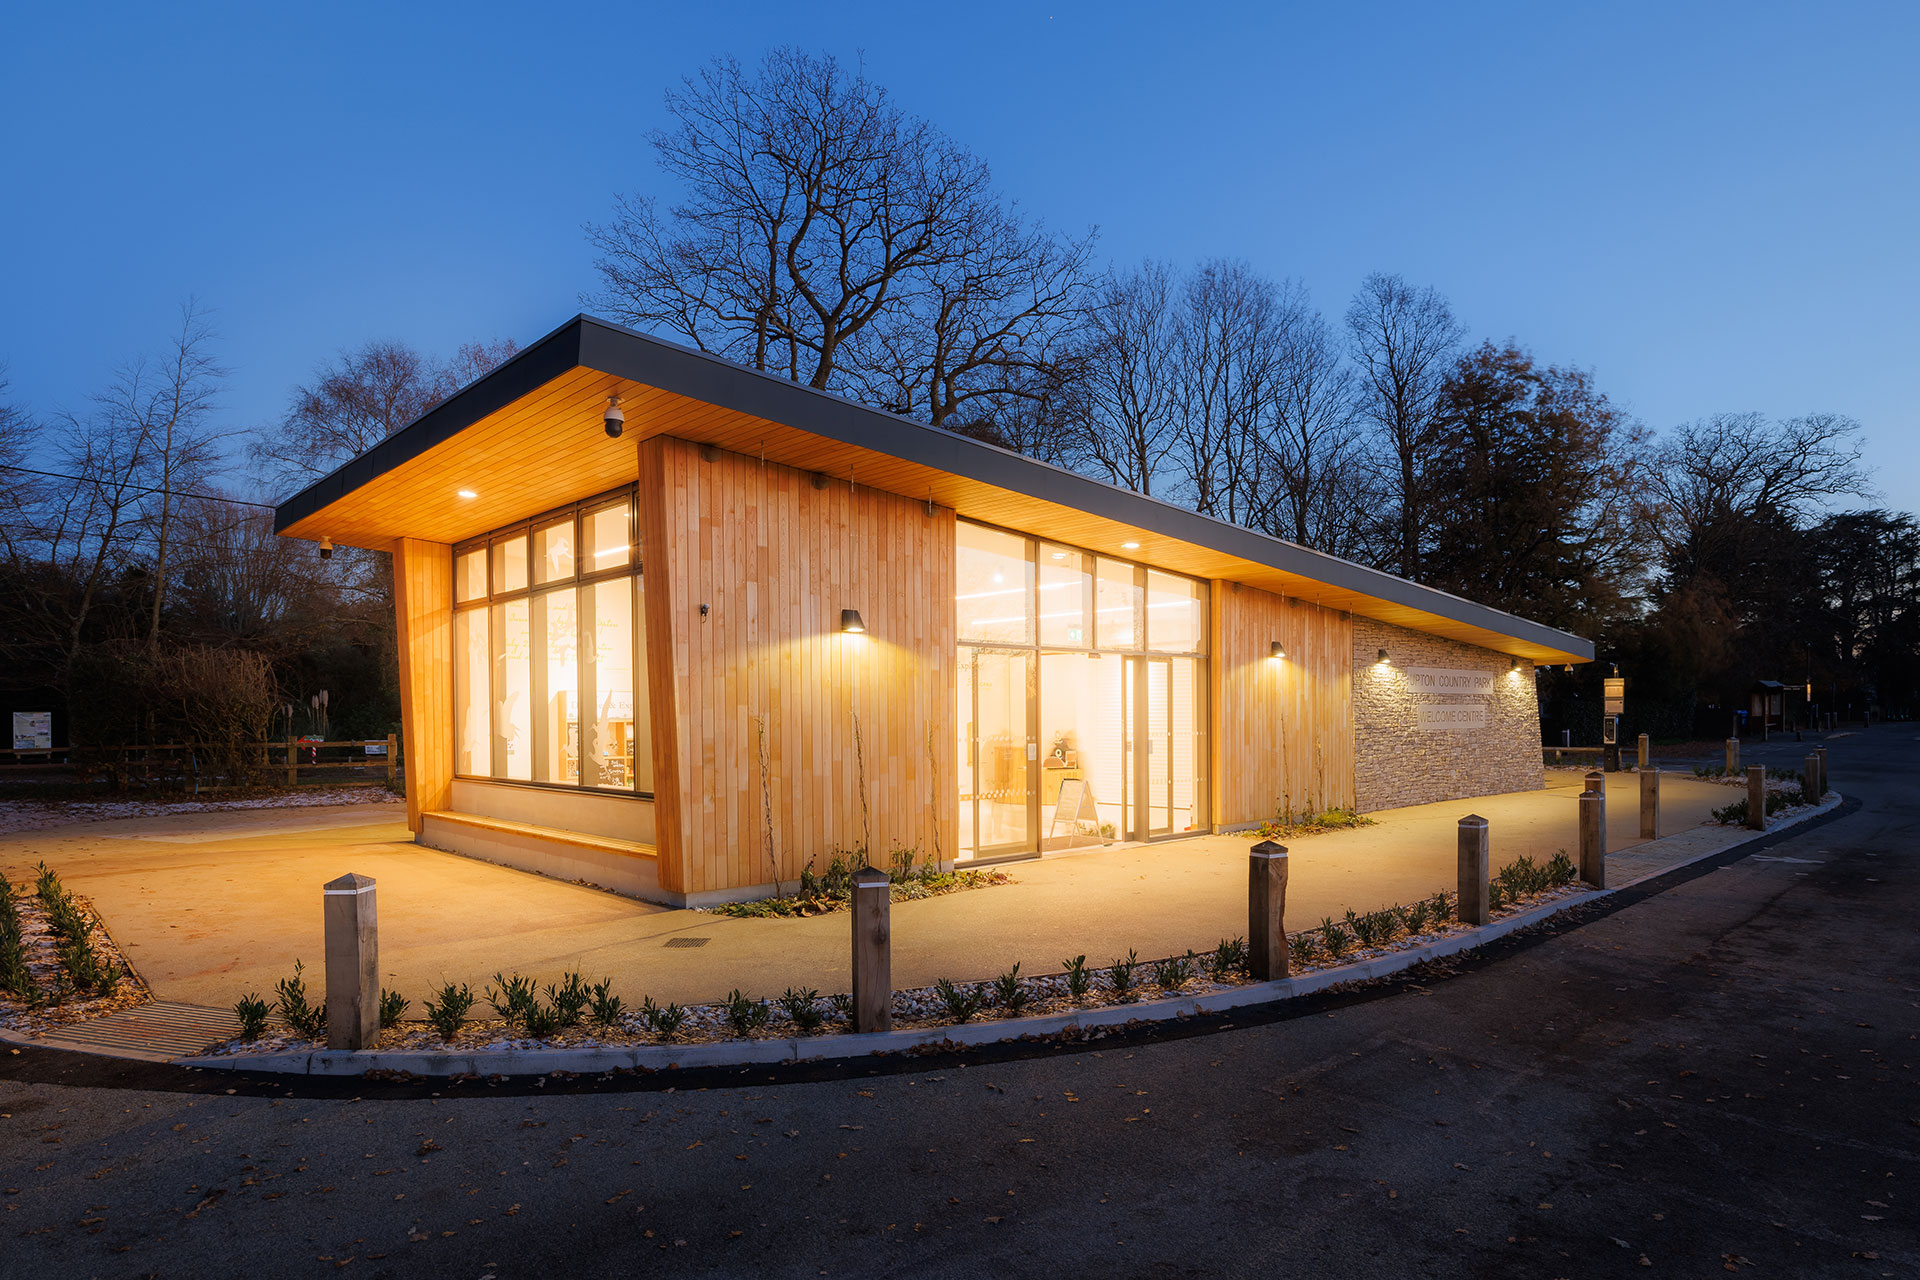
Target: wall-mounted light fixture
[326,548]
[1513,664]
[1276,651]
[1382,658]
[850,622]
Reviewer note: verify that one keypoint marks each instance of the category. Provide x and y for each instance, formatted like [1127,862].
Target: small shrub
[841,1003]
[568,1000]
[1560,869]
[1078,979]
[961,1002]
[296,1010]
[1439,908]
[1009,993]
[1414,916]
[540,1021]
[1302,950]
[603,1006]
[1334,938]
[1172,974]
[1229,958]
[393,1006]
[1730,815]
[511,997]
[1121,975]
[663,1022]
[802,1008]
[449,1009]
[1496,895]
[746,1016]
[252,1012]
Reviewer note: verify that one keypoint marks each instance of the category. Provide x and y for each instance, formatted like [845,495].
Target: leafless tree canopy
[827,236]
[1403,340]
[1742,465]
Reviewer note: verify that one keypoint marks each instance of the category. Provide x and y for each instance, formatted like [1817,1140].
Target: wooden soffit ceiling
[529,437]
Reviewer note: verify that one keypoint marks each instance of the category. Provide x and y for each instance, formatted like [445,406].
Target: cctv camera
[615,419]
[326,548]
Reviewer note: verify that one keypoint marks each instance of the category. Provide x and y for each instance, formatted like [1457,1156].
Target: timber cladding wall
[1282,731]
[1490,741]
[423,617]
[775,554]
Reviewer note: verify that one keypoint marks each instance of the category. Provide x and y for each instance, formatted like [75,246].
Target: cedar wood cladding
[775,559]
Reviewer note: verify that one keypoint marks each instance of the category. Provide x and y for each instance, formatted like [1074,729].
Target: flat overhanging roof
[527,438]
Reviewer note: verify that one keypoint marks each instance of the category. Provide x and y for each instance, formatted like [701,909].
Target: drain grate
[158,1029]
[688,942]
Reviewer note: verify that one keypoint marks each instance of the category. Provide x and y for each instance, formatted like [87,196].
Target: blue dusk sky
[1712,207]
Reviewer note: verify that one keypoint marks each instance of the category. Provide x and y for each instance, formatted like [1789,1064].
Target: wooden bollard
[1810,778]
[1821,752]
[1593,837]
[1596,781]
[1476,861]
[1641,761]
[353,963]
[1733,756]
[293,764]
[1267,957]
[872,951]
[1649,804]
[1757,797]
[393,753]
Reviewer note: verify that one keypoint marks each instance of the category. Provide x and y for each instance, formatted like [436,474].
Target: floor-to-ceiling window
[550,654]
[1081,696]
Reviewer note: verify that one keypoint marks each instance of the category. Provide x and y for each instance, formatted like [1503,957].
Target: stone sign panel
[1448,717]
[1449,680]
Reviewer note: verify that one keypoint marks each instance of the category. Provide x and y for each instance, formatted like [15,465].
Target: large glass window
[1176,613]
[993,586]
[1081,696]
[550,653]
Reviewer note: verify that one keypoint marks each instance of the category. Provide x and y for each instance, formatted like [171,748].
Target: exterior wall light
[1513,664]
[1275,651]
[326,548]
[616,420]
[1382,658]
[851,623]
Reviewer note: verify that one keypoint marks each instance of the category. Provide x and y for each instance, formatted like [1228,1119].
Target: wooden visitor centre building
[760,623]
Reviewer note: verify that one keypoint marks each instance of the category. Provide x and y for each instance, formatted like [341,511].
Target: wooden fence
[353,760]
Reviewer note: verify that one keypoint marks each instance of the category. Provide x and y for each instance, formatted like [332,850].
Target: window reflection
[993,586]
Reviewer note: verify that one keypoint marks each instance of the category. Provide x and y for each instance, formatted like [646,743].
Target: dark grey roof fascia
[710,379]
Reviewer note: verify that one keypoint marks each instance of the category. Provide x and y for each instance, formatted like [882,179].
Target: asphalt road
[1722,1075]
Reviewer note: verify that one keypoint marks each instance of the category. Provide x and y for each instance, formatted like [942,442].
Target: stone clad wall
[1398,763]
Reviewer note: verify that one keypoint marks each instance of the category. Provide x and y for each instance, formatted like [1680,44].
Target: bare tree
[1316,489]
[988,325]
[165,408]
[361,397]
[1403,340]
[827,236]
[1741,466]
[1233,326]
[1125,397]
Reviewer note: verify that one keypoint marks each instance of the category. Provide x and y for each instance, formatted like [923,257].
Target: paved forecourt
[208,906]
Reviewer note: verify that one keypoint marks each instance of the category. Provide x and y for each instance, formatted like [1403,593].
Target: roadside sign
[1614,689]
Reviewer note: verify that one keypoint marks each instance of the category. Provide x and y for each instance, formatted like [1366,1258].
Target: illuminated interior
[1080,697]
[548,643]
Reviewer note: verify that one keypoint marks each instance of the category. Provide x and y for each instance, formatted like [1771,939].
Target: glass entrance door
[998,790]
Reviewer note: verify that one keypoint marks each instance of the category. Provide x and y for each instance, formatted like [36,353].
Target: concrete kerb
[588,1060]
